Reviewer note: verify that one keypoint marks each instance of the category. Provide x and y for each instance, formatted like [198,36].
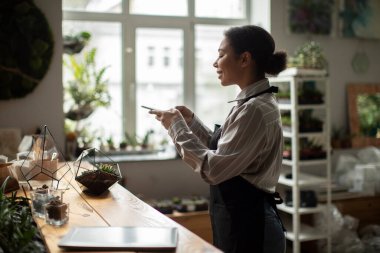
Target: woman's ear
[246,59]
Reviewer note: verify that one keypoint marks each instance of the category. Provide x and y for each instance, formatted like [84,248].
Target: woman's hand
[166,117]
[187,114]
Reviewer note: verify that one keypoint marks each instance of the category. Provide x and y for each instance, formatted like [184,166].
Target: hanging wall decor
[360,19]
[310,16]
[26,48]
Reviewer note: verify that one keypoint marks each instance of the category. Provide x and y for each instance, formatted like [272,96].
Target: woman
[241,160]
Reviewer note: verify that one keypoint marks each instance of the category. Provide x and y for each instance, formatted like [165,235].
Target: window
[166,56]
[150,56]
[159,53]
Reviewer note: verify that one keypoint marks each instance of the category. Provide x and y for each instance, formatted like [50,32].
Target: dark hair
[260,44]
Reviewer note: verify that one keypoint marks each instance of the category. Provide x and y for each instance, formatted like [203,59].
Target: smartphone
[149,108]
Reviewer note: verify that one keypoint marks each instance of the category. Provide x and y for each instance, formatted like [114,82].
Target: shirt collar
[252,89]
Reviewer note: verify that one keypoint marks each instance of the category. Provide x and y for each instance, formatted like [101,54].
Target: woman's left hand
[166,117]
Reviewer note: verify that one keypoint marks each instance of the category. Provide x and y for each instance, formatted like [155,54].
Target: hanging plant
[87,89]
[73,44]
[26,47]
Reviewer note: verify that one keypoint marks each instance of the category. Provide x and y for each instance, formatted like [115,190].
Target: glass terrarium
[44,162]
[95,171]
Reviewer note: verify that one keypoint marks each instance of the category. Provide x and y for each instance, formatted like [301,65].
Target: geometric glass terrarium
[95,171]
[44,162]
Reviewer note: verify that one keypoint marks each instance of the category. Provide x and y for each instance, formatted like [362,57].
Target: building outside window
[158,53]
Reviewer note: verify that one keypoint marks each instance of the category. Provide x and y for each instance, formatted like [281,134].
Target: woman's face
[227,64]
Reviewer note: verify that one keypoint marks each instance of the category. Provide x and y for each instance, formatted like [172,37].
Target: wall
[339,52]
[162,179]
[44,105]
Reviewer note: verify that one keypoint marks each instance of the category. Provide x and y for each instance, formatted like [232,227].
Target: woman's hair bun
[276,63]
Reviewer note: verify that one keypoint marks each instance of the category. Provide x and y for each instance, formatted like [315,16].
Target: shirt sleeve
[240,146]
[200,130]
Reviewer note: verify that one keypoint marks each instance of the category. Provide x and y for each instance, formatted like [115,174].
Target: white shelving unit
[292,81]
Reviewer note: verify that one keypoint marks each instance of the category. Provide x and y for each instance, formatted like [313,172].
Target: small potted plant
[311,150]
[309,93]
[96,172]
[286,121]
[308,123]
[56,211]
[40,196]
[287,150]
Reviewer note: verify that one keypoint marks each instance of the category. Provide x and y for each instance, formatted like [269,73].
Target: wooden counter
[118,207]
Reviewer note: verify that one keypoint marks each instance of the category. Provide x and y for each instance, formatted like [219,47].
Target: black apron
[237,208]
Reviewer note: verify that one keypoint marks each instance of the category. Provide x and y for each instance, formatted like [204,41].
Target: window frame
[129,24]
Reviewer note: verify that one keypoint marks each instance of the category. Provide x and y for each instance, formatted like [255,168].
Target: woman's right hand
[187,114]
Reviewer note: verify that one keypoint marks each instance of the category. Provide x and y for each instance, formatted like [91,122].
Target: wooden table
[118,207]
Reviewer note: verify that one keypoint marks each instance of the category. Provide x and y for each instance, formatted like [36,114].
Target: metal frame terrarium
[96,172]
[44,162]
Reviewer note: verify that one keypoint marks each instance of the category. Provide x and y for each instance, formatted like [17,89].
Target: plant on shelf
[287,150]
[182,205]
[309,94]
[146,139]
[309,56]
[286,119]
[308,123]
[310,149]
[135,142]
[283,95]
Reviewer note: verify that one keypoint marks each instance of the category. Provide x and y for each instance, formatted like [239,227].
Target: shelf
[302,107]
[303,180]
[307,233]
[300,72]
[301,161]
[305,162]
[289,134]
[302,210]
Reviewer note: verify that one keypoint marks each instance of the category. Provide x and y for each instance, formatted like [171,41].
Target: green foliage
[286,119]
[109,168]
[18,232]
[146,138]
[26,47]
[369,114]
[131,139]
[73,44]
[87,89]
[309,55]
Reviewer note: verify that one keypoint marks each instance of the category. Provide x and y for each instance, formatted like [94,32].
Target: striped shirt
[250,144]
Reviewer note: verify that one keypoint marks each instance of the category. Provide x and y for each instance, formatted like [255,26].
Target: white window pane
[211,97]
[159,85]
[112,6]
[106,37]
[220,8]
[159,7]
